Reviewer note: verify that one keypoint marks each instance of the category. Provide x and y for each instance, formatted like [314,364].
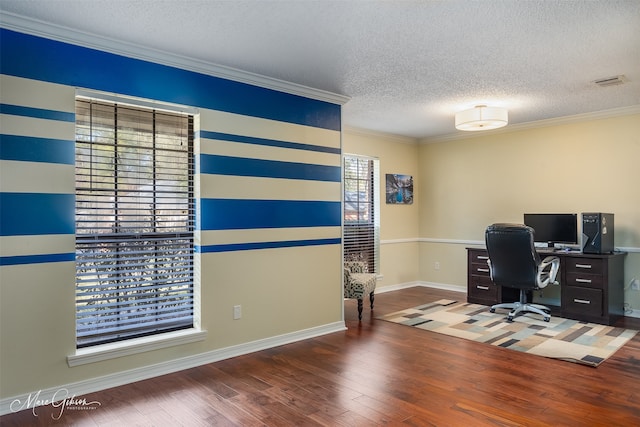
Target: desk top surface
[565,252]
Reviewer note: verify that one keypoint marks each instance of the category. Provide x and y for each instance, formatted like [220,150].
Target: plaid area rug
[565,339]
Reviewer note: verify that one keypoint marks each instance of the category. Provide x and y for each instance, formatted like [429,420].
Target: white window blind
[134,222]
[361,210]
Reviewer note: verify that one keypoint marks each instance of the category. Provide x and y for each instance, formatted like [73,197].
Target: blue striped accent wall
[279,177]
[229,214]
[37,58]
[25,214]
[266,245]
[267,142]
[226,165]
[40,113]
[278,167]
[37,209]
[36,259]
[33,149]
[267,190]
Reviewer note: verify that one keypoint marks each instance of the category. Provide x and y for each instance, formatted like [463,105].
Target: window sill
[99,353]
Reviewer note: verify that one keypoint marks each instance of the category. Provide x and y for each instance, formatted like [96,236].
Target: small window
[361,210]
[134,222]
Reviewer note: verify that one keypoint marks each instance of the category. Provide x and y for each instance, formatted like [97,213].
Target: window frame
[369,246]
[158,339]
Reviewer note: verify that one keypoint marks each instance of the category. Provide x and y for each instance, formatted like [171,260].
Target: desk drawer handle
[482,288]
[579,280]
[581,301]
[583,265]
[483,257]
[483,270]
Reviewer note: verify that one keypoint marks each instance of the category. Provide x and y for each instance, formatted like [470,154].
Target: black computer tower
[597,233]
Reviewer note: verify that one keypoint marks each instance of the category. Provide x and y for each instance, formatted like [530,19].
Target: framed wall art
[399,189]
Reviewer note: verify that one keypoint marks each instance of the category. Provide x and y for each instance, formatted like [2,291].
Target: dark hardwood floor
[375,373]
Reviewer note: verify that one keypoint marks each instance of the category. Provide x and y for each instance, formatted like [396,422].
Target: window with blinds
[361,210]
[134,222]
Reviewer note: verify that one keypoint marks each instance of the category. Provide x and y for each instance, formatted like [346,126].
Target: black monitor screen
[553,228]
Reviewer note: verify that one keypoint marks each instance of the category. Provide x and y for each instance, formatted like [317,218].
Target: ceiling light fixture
[482,117]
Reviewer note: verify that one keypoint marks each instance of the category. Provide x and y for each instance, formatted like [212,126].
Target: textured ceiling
[407,66]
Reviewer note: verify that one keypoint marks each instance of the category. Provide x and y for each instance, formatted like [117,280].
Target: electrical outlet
[237,312]
[436,265]
[635,285]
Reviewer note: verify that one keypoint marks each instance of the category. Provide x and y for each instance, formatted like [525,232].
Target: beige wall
[465,185]
[398,223]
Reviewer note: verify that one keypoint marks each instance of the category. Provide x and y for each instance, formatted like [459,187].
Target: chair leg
[507,305]
[359,308]
[521,307]
[371,298]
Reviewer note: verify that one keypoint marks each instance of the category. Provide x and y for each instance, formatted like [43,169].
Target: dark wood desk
[591,285]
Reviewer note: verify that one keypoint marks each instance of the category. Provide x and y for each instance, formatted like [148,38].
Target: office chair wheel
[547,318]
[509,318]
[492,310]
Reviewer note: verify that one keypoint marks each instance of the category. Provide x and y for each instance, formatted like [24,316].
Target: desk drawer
[480,269]
[583,301]
[482,288]
[479,257]
[584,280]
[584,265]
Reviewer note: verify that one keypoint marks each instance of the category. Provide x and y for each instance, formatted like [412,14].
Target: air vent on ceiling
[611,81]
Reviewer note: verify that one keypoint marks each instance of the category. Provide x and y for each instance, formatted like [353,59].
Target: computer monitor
[553,228]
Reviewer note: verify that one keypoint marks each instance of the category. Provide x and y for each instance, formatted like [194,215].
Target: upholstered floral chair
[358,283]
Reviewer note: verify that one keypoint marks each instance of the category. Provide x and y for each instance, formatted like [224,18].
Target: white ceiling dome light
[482,117]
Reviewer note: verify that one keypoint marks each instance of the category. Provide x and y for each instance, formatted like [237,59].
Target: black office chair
[514,262]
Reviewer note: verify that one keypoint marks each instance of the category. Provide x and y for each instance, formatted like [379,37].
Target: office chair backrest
[514,260]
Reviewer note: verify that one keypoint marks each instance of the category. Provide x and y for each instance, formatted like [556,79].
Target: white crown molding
[379,135]
[56,32]
[596,115]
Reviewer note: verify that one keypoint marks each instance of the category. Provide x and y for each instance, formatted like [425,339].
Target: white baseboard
[435,285]
[632,313]
[78,389]
[390,288]
[444,286]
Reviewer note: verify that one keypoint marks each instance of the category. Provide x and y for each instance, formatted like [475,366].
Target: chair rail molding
[629,249]
[397,241]
[451,241]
